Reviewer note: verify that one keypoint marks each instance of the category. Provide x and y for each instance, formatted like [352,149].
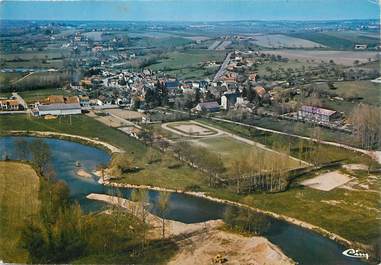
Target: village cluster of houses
[126,89]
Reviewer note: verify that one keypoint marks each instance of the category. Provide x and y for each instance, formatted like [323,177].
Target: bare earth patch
[355,167]
[126,114]
[327,181]
[110,121]
[205,240]
[82,173]
[193,129]
[235,248]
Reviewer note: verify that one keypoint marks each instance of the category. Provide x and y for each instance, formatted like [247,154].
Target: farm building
[55,99]
[317,114]
[58,109]
[10,104]
[208,106]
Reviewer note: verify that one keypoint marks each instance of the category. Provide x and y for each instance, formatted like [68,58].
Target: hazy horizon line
[196,21]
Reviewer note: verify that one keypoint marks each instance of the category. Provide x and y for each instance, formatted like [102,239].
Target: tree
[120,163]
[197,96]
[57,235]
[366,128]
[140,196]
[41,154]
[33,241]
[316,135]
[239,168]
[163,207]
[245,220]
[146,135]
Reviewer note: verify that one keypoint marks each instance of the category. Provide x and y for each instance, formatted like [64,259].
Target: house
[361,47]
[229,77]
[208,107]
[317,114]
[10,104]
[172,84]
[260,90]
[84,101]
[59,109]
[228,100]
[253,77]
[97,48]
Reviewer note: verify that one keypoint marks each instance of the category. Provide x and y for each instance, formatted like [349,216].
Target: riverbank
[205,240]
[339,239]
[269,197]
[70,137]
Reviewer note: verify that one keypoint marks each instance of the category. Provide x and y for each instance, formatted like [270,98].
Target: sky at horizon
[188,10]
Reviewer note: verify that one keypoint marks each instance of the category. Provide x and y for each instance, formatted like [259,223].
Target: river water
[301,245]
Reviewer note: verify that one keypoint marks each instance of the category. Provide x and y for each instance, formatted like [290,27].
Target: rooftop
[59,106]
[317,110]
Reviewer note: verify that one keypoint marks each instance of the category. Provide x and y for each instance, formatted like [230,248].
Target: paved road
[223,67]
[14,112]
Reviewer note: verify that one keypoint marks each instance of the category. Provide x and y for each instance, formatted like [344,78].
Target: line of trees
[201,158]
[261,171]
[38,81]
[246,221]
[366,127]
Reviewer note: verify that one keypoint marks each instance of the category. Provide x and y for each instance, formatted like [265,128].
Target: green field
[8,78]
[353,93]
[187,64]
[161,173]
[34,95]
[50,58]
[163,42]
[231,149]
[19,186]
[80,125]
[360,224]
[326,154]
[369,91]
[339,40]
[295,65]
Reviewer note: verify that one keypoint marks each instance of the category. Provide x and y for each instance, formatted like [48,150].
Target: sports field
[229,146]
[191,129]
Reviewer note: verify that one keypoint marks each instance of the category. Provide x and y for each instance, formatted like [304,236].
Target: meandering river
[303,246]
